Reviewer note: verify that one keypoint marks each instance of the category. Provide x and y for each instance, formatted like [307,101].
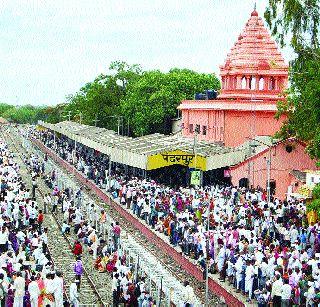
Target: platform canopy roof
[136,152]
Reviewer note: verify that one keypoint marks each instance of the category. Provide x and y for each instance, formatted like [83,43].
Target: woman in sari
[14,241]
[10,298]
[26,299]
[41,286]
[111,264]
[102,265]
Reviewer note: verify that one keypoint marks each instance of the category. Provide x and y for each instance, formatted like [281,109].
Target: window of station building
[197,129]
[204,130]
[191,128]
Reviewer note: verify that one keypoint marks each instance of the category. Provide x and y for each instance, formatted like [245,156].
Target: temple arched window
[261,83]
[252,83]
[243,83]
[272,84]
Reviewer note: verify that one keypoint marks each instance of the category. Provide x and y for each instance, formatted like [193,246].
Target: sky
[49,49]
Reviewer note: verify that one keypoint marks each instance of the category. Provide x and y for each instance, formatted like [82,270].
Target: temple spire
[255,6]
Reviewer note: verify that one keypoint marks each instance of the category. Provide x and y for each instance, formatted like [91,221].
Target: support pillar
[276,83]
[257,83]
[247,82]
[266,83]
[238,85]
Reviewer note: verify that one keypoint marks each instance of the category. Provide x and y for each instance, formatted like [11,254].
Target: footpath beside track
[180,262]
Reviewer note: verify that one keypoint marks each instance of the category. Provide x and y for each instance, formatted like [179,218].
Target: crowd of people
[267,251]
[88,225]
[27,274]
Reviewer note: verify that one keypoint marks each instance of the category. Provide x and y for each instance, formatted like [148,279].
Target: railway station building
[227,139]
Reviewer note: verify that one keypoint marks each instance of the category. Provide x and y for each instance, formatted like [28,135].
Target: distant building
[312,178]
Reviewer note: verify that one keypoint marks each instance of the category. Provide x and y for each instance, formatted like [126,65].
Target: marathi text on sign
[175,157]
[186,159]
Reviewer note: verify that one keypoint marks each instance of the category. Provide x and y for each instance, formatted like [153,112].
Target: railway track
[163,258]
[60,246]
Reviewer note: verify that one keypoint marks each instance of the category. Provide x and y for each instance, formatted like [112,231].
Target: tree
[4,107]
[100,99]
[24,114]
[125,73]
[146,100]
[54,114]
[151,100]
[297,18]
[297,21]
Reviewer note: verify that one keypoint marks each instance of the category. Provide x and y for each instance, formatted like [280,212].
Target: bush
[316,192]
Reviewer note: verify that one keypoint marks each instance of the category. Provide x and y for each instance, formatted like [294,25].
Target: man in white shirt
[34,291]
[189,296]
[238,267]
[249,275]
[3,240]
[285,294]
[276,291]
[58,289]
[19,286]
[73,294]
[115,292]
[310,294]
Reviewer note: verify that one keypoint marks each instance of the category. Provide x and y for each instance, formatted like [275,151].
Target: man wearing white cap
[58,289]
[19,286]
[34,291]
[238,267]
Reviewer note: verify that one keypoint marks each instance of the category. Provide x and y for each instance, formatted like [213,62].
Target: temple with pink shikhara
[253,79]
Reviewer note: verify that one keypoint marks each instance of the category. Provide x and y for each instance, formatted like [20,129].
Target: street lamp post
[109,172]
[54,140]
[80,118]
[96,120]
[207,259]
[195,144]
[119,117]
[268,161]
[269,175]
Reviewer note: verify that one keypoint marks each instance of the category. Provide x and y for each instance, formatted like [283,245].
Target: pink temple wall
[241,125]
[282,163]
[229,126]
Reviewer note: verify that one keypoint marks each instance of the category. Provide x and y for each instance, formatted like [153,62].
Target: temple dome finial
[254,13]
